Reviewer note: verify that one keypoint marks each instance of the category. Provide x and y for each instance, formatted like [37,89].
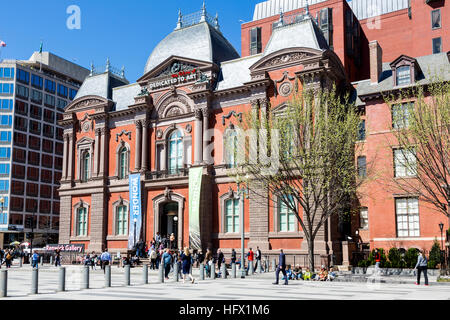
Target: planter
[393,271]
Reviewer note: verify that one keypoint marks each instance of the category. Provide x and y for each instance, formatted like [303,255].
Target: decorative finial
[280,21]
[92,69]
[108,65]
[307,8]
[216,21]
[122,73]
[203,18]
[180,20]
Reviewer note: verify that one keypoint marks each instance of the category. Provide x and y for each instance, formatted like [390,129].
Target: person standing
[250,256]
[208,262]
[35,260]
[166,261]
[258,257]
[153,256]
[186,264]
[281,267]
[233,256]
[57,257]
[377,261]
[422,266]
[220,258]
[105,259]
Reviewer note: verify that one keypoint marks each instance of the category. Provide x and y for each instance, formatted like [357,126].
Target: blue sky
[125,31]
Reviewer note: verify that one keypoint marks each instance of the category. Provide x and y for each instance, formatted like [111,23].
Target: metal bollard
[201,271]
[107,276]
[266,266]
[251,270]
[42,261]
[161,273]
[51,260]
[62,279]
[4,283]
[20,262]
[34,281]
[175,272]
[233,270]
[260,266]
[85,283]
[145,273]
[224,270]
[213,271]
[274,264]
[127,275]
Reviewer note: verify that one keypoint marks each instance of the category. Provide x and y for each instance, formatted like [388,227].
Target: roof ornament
[122,72]
[92,69]
[108,65]
[203,18]
[307,9]
[216,21]
[280,21]
[180,20]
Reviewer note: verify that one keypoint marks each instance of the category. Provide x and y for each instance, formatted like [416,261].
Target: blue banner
[135,221]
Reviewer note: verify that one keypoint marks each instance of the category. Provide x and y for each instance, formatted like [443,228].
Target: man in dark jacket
[220,258]
[258,258]
[233,256]
[281,267]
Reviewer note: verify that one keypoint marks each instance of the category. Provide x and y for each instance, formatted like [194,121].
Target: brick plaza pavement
[256,287]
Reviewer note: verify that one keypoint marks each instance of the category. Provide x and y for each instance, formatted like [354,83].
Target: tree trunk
[311,254]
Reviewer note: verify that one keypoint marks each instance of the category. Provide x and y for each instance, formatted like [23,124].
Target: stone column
[70,161]
[96,151]
[205,135]
[164,151]
[145,147]
[103,151]
[138,142]
[65,157]
[198,146]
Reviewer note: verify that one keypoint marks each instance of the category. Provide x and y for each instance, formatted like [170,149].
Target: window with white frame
[286,217]
[121,220]
[82,221]
[123,163]
[400,115]
[363,218]
[405,164]
[232,216]
[407,212]
[85,165]
[231,148]
[403,75]
[175,159]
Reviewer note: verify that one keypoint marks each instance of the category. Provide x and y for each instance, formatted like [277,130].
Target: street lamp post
[441,227]
[241,193]
[135,220]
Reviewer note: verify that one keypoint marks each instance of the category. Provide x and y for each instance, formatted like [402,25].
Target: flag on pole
[2,43]
[40,48]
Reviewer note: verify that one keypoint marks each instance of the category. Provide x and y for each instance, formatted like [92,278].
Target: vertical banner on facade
[135,210]
[195,186]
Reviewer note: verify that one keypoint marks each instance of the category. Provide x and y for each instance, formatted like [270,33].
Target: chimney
[376,61]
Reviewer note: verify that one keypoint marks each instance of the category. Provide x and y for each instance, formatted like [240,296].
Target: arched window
[231,148]
[232,215]
[82,221]
[85,166]
[175,152]
[121,220]
[123,163]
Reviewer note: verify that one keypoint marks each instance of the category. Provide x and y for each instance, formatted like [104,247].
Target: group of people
[298,274]
[7,256]
[100,260]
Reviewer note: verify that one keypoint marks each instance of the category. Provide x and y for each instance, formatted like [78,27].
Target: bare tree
[421,132]
[310,166]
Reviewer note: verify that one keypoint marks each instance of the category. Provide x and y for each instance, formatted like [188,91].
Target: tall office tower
[33,95]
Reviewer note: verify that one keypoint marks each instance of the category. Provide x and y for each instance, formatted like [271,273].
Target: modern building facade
[178,118]
[33,95]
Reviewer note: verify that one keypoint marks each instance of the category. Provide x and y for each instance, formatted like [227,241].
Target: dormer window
[403,75]
[405,71]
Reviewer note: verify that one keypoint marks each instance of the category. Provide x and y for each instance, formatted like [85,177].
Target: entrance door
[169,221]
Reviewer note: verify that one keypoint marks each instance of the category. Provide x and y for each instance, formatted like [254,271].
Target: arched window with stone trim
[81,221]
[175,152]
[123,163]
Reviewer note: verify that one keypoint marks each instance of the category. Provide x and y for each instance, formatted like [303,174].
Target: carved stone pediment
[173,106]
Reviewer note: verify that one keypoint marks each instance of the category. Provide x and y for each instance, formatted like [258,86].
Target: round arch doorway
[169,222]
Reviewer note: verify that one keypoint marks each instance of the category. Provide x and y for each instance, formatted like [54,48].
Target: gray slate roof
[124,96]
[100,85]
[301,34]
[236,72]
[200,41]
[434,65]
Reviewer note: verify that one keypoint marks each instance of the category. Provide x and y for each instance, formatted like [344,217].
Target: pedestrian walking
[153,256]
[377,261]
[258,256]
[281,267]
[422,266]
[57,257]
[186,261]
[250,256]
[220,258]
[233,256]
[105,259]
[166,262]
[35,260]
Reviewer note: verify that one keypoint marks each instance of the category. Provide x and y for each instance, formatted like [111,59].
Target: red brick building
[161,128]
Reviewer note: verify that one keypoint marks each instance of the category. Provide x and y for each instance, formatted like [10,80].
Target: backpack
[8,256]
[153,255]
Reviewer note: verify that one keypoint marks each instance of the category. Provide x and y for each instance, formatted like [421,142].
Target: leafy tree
[303,156]
[411,257]
[435,255]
